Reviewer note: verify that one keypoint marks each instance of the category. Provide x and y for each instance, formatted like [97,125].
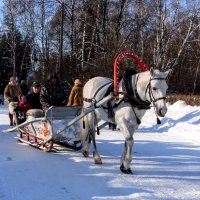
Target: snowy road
[166,165]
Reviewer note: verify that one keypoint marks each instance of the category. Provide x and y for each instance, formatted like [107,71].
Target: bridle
[149,89]
[132,96]
[130,90]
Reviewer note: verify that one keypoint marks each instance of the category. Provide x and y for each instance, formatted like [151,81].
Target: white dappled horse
[137,93]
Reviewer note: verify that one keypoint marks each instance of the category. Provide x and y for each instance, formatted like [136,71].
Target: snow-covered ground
[166,163]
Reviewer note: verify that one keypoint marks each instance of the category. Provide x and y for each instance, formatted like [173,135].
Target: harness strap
[89,100]
[146,103]
[101,88]
[132,96]
[93,100]
[161,98]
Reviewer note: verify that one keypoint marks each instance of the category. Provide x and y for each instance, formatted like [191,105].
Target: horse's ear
[151,71]
[168,72]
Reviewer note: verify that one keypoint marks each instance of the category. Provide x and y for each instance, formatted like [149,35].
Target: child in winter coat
[19,113]
[24,104]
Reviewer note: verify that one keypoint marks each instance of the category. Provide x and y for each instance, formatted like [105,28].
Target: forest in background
[81,38]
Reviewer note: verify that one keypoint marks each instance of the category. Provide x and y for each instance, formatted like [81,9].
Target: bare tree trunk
[95,28]
[72,27]
[158,51]
[14,52]
[43,37]
[61,42]
[23,60]
[195,77]
[83,43]
[189,33]
[123,3]
[32,34]
[12,17]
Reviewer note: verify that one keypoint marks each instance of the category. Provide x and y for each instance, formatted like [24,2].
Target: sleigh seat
[35,113]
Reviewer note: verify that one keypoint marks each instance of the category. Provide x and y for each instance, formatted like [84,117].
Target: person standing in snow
[11,93]
[76,95]
[53,93]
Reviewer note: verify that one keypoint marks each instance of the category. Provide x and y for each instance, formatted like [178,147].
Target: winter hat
[12,78]
[53,75]
[77,82]
[36,84]
[23,81]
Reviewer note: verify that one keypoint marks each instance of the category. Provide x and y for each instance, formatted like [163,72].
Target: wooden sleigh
[56,130]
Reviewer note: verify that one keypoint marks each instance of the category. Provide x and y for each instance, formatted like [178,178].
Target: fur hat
[12,78]
[77,82]
[36,84]
[53,75]
[23,82]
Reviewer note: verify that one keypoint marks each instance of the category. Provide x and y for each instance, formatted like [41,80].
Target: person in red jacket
[20,111]
[24,104]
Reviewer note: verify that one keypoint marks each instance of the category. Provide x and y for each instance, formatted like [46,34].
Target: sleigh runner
[58,128]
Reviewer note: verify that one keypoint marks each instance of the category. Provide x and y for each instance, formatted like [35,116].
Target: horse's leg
[86,148]
[127,156]
[96,156]
[92,133]
[129,141]
[88,135]
[85,137]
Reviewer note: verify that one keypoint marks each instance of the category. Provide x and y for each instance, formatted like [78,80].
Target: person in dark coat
[34,96]
[24,87]
[53,93]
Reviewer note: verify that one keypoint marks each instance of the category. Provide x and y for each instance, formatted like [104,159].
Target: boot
[11,119]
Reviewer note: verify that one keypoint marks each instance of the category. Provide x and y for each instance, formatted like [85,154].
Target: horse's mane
[129,72]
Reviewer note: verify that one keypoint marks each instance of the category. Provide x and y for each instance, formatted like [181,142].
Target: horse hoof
[97,158]
[125,171]
[98,161]
[85,153]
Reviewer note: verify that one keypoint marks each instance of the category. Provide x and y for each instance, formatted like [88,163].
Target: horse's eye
[154,88]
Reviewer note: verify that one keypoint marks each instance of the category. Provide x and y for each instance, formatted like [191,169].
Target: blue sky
[1,6]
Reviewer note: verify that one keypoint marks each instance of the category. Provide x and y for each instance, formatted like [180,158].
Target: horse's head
[157,90]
